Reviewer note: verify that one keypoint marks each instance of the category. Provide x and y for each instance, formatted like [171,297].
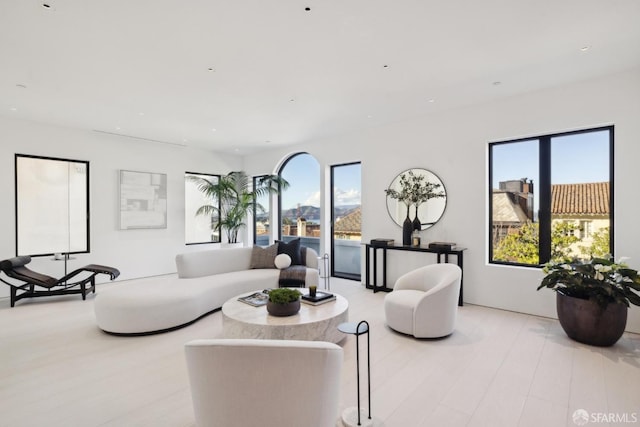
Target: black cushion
[292,249]
[11,263]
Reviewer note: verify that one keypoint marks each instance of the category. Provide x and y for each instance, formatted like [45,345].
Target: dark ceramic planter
[585,321]
[282,310]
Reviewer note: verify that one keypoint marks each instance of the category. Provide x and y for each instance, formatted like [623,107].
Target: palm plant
[237,197]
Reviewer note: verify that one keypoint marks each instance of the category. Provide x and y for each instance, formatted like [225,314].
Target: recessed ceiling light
[13,109]
[292,100]
[496,83]
[213,129]
[21,86]
[211,69]
[268,141]
[47,6]
[385,66]
[585,48]
[432,100]
[307,9]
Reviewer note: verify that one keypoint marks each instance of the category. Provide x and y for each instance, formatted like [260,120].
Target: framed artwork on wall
[143,200]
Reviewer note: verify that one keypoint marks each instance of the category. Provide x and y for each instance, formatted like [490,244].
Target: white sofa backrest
[227,260]
[214,261]
[312,258]
[267,383]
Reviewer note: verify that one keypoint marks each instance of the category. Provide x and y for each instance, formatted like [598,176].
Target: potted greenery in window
[593,297]
[283,302]
[237,198]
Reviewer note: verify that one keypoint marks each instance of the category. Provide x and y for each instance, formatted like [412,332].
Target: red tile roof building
[580,199]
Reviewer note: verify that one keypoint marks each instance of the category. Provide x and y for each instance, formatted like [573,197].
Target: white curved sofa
[205,280]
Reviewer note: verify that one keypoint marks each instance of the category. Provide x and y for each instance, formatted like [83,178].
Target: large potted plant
[238,197]
[592,298]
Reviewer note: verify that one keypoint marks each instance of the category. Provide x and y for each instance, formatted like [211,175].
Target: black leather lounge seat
[31,280]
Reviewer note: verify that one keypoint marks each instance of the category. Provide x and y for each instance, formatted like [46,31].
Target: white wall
[136,253]
[454,146]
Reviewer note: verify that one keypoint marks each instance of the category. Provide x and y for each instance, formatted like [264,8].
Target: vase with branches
[414,189]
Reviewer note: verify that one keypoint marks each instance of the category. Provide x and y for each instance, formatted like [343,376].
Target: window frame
[280,170]
[200,174]
[334,273]
[87,207]
[254,181]
[544,192]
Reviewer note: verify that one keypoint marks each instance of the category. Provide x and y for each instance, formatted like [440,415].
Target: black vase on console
[417,225]
[407,229]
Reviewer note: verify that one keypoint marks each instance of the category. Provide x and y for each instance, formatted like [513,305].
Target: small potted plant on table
[283,302]
[592,298]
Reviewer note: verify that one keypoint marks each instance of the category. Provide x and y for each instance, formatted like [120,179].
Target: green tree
[599,247]
[563,236]
[521,245]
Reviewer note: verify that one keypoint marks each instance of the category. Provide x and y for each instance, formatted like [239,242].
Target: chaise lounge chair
[15,268]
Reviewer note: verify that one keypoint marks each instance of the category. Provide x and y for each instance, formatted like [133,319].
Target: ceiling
[245,75]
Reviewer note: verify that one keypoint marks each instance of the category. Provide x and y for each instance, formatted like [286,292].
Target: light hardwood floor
[498,369]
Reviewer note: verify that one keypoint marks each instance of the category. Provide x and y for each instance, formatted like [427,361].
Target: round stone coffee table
[312,323]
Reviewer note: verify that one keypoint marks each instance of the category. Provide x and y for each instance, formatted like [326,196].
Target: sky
[303,174]
[575,158]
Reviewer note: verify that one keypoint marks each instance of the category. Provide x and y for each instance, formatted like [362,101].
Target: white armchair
[424,302]
[267,383]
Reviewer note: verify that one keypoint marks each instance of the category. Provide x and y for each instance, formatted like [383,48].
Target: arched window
[300,202]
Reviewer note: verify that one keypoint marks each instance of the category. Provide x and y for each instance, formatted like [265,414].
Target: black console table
[439,252]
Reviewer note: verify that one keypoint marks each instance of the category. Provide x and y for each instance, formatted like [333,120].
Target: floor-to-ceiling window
[346,216]
[300,202]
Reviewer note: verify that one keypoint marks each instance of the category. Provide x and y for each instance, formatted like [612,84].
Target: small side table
[352,415]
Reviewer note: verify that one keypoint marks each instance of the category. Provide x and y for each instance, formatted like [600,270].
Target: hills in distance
[310,213]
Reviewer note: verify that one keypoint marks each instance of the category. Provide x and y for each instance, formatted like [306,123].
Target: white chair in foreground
[267,383]
[424,302]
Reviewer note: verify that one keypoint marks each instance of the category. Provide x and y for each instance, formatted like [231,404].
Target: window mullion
[544,192]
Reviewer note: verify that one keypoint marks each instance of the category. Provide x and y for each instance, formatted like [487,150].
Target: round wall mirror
[428,212]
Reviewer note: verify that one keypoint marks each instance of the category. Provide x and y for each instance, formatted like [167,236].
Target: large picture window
[52,205]
[551,198]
